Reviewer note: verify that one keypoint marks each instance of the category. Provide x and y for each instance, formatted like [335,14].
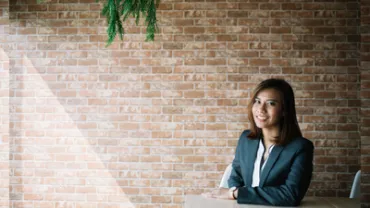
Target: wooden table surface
[197,201]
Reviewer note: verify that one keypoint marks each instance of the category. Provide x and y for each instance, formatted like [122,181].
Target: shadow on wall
[57,153]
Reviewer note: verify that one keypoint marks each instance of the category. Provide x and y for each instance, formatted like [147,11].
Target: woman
[273,162]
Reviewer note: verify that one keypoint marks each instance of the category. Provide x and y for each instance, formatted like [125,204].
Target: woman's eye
[257,101]
[272,103]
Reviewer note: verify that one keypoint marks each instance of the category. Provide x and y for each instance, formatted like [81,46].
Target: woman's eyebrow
[268,99]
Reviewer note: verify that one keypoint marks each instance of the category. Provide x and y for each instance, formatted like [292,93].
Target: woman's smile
[262,118]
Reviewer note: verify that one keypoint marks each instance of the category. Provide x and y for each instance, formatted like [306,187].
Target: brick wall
[4,106]
[365,110]
[141,124]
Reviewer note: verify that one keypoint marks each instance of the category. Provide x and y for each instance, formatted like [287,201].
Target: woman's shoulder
[301,143]
[244,137]
[246,133]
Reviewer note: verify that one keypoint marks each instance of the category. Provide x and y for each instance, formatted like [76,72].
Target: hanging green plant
[114,10]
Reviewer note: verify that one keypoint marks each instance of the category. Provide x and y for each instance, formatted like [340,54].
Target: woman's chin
[260,125]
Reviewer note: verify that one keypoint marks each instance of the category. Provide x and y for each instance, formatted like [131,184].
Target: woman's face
[267,109]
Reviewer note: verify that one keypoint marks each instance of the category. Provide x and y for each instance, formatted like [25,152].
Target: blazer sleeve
[236,178]
[289,193]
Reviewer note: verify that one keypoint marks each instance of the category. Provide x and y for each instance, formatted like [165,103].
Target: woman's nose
[261,107]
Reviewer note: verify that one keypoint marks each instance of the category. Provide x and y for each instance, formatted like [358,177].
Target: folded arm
[289,193]
[236,178]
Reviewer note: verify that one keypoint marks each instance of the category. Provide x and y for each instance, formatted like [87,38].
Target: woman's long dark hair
[289,128]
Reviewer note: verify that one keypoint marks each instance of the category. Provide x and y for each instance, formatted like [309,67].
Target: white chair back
[355,190]
[226,176]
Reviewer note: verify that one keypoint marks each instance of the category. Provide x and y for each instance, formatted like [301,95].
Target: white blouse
[257,163]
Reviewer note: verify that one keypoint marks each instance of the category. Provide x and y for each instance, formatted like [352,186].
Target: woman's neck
[270,136]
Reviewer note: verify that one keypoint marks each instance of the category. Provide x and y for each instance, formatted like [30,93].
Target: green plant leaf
[114,10]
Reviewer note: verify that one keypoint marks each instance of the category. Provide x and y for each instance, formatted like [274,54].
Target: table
[197,201]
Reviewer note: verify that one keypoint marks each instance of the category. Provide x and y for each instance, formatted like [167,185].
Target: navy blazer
[285,178]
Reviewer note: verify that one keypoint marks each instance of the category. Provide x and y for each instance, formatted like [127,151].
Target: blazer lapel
[270,163]
[251,157]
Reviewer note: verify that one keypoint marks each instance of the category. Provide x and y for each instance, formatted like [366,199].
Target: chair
[226,176]
[355,190]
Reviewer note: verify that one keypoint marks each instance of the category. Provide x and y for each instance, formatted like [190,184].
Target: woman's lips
[261,118]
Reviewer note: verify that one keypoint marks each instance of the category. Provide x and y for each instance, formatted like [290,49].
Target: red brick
[291,6]
[68,31]
[248,6]
[259,30]
[280,30]
[176,106]
[238,14]
[226,38]
[27,31]
[194,30]
[347,62]
[280,14]
[303,46]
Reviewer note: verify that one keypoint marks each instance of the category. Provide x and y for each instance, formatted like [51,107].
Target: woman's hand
[220,193]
